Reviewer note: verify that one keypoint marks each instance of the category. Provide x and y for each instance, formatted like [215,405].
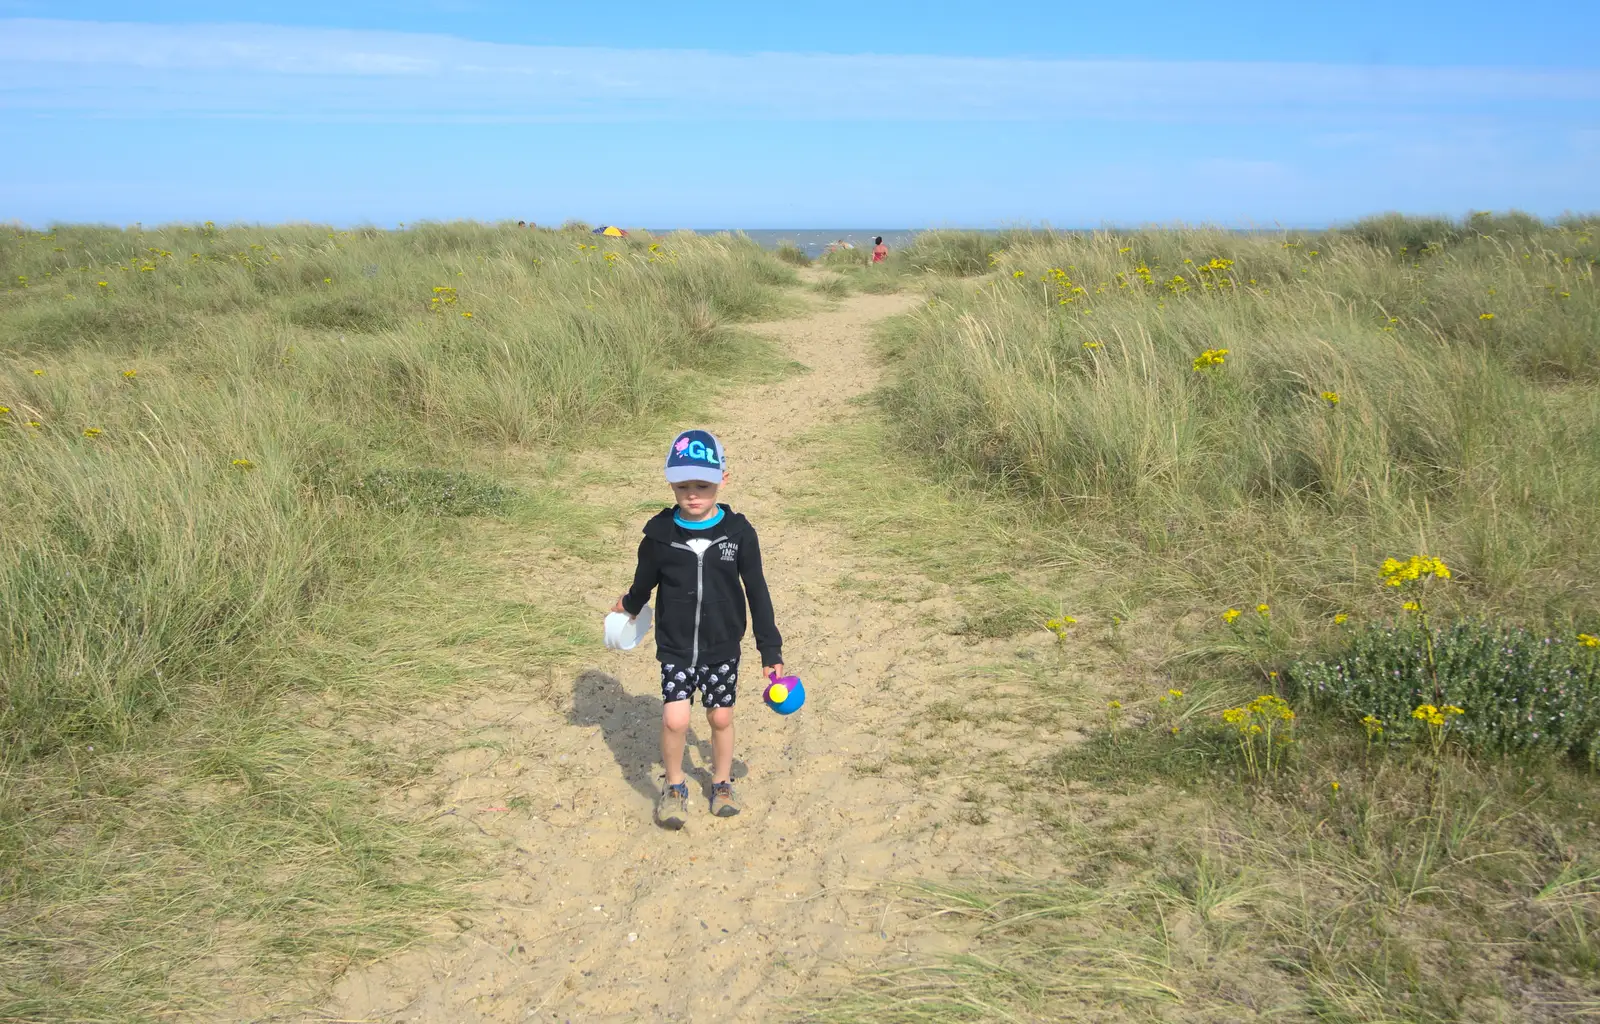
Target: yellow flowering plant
[1264,732]
[1113,720]
[1436,720]
[1172,707]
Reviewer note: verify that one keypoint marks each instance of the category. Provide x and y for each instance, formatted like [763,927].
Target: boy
[694,555]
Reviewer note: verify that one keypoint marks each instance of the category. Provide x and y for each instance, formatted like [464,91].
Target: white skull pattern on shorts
[717,681]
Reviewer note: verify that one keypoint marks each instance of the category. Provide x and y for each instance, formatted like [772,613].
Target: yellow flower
[1115,705]
[130,374]
[102,284]
[1340,619]
[35,424]
[1270,705]
[1589,640]
[92,432]
[467,315]
[4,409]
[1263,610]
[1091,345]
[38,373]
[1059,626]
[1396,573]
[327,280]
[1374,726]
[1331,397]
[1175,694]
[243,464]
[1229,615]
[1336,785]
[1412,606]
[1485,316]
[1211,357]
[1014,273]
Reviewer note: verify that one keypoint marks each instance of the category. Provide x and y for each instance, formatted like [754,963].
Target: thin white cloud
[277,71]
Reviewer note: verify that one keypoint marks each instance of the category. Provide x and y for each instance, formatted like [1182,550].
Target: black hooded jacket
[699,602]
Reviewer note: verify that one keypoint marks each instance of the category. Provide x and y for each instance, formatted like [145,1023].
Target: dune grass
[1372,401]
[237,464]
[1054,434]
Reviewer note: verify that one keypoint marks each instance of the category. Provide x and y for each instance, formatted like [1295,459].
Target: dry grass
[1120,486]
[239,483]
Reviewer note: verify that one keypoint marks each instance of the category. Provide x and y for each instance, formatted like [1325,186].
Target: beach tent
[611,231]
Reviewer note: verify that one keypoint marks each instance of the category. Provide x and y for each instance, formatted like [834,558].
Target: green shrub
[1519,691]
[842,257]
[961,253]
[788,252]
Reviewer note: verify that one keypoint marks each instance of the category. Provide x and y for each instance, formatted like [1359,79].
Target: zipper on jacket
[699,593]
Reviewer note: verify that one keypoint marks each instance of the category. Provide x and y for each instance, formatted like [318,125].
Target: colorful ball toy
[786,695]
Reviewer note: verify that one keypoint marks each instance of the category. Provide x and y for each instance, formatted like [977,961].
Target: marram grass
[1225,419]
[1202,456]
[233,464]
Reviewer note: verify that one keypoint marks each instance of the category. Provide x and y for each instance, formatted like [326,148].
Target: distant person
[694,555]
[880,252]
[520,224]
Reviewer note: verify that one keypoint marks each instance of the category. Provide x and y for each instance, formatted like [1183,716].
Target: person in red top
[880,252]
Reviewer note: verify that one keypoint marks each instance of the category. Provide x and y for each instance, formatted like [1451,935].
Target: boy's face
[696,498]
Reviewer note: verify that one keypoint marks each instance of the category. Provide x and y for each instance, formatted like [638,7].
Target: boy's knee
[675,715]
[720,718]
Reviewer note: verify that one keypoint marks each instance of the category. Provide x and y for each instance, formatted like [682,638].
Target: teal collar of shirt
[704,524]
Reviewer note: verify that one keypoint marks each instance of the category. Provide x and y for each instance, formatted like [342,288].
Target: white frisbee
[624,634]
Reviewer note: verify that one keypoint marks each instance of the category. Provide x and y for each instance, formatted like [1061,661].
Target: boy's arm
[768,640]
[644,579]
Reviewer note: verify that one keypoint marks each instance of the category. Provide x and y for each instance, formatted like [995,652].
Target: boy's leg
[674,736]
[721,721]
[721,690]
[677,685]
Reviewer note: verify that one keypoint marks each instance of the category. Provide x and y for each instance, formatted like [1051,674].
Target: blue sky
[829,115]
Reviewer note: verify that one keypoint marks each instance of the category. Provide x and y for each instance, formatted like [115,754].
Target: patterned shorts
[718,683]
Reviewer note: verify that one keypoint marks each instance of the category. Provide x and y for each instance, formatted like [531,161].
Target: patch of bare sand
[593,913]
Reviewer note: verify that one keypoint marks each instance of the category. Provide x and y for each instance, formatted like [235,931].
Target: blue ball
[792,703]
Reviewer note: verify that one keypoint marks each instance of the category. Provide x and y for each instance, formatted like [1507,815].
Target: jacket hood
[661,527]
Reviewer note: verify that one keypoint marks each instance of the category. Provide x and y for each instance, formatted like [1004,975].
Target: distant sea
[812,242]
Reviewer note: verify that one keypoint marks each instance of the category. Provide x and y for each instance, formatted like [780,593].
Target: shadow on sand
[631,725]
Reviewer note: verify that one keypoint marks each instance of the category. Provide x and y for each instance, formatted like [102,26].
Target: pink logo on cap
[683,442]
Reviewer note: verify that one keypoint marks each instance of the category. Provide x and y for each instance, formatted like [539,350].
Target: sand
[592,913]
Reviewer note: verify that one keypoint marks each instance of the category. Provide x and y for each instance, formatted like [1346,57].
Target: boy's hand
[775,671]
[618,606]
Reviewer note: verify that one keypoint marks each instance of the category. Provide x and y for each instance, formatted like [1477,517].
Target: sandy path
[597,915]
